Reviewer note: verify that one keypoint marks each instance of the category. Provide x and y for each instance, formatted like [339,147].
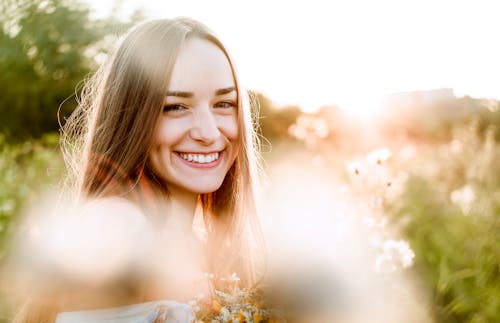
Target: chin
[205,188]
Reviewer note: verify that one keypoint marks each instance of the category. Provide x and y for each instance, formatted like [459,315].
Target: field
[442,199]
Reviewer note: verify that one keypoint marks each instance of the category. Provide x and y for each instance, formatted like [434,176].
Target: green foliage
[26,169]
[451,207]
[443,193]
[48,47]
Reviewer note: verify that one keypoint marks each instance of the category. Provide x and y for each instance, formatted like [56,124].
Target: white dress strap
[150,312]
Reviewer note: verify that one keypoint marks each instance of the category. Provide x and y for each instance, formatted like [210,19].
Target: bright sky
[350,52]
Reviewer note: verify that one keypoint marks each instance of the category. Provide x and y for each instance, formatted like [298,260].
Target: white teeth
[200,158]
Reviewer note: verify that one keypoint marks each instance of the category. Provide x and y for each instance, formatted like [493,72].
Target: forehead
[201,67]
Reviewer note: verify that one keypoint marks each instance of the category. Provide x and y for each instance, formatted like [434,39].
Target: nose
[205,129]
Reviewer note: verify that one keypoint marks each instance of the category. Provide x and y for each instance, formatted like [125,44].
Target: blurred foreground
[402,233]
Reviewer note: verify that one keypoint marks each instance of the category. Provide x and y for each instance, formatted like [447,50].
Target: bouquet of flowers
[234,305]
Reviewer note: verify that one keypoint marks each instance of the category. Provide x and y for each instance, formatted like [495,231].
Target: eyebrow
[180,94]
[225,90]
[183,94]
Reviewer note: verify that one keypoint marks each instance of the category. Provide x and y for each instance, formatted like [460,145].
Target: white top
[150,312]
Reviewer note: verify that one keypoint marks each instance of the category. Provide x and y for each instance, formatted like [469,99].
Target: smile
[200,158]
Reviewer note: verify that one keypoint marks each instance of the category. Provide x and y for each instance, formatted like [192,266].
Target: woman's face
[196,141]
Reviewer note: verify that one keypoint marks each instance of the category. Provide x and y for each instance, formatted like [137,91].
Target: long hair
[114,124]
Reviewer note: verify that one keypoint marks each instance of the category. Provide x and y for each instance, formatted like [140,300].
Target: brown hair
[119,109]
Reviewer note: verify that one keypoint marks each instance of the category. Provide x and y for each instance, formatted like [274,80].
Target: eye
[225,105]
[174,108]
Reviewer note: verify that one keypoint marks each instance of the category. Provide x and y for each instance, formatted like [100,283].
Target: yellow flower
[257,317]
[241,316]
[216,306]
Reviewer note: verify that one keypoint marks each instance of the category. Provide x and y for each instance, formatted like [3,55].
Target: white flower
[378,156]
[309,128]
[464,198]
[355,167]
[234,277]
[394,255]
[231,279]
[226,315]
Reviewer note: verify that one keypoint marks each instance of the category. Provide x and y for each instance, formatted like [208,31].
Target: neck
[182,207]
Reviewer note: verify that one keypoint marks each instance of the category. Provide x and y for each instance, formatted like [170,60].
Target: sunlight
[362,107]
[347,56]
[315,226]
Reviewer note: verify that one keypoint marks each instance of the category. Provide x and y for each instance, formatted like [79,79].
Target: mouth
[201,160]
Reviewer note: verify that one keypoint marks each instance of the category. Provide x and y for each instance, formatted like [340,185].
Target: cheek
[168,133]
[233,133]
[230,128]
[156,149]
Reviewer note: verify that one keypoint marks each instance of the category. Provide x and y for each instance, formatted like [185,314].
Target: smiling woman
[161,148]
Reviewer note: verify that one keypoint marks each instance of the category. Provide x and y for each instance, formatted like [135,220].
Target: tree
[48,48]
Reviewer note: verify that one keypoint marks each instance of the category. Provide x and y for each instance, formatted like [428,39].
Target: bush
[451,204]
[26,169]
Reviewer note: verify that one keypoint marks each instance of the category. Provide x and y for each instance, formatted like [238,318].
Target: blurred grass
[446,205]
[451,207]
[27,169]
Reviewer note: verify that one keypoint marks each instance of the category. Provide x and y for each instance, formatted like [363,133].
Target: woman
[162,139]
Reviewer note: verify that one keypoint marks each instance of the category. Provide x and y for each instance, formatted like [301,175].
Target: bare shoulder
[113,226]
[92,243]
[113,206]
[114,210]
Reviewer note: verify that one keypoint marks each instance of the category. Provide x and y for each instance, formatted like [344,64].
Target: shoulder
[112,226]
[105,222]
[98,238]
[81,251]
[113,210]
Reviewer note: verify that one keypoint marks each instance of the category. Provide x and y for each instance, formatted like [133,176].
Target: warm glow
[314,53]
[362,106]
[314,225]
